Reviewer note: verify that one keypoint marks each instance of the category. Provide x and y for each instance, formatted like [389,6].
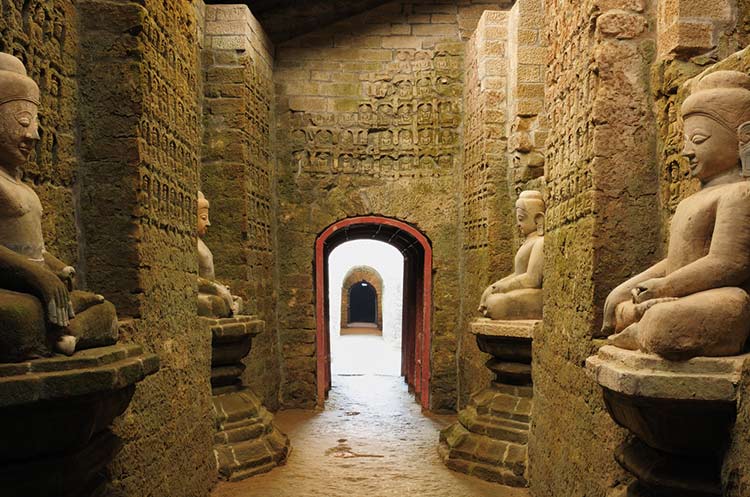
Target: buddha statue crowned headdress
[724,98]
[14,83]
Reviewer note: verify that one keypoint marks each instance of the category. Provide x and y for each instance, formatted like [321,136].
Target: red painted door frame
[421,379]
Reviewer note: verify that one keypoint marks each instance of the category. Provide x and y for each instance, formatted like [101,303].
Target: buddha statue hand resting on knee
[519,296]
[214,299]
[40,309]
[695,302]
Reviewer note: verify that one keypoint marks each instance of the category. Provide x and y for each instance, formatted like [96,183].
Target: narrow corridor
[372,440]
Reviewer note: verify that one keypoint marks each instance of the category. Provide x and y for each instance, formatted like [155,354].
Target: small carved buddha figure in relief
[40,309]
[695,302]
[519,295]
[214,299]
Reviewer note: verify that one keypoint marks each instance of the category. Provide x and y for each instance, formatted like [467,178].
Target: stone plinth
[680,414]
[56,415]
[246,442]
[489,440]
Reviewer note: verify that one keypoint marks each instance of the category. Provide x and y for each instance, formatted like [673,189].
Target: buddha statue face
[530,213]
[203,221]
[710,147]
[528,219]
[719,104]
[19,131]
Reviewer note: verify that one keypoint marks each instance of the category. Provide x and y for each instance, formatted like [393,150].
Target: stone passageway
[372,440]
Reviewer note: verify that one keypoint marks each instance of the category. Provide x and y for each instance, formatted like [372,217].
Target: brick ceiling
[287,19]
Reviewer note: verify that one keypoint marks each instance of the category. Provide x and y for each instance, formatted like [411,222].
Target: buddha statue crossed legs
[519,295]
[695,302]
[39,306]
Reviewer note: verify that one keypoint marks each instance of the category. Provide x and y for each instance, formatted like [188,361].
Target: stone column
[601,190]
[140,115]
[237,174]
[486,221]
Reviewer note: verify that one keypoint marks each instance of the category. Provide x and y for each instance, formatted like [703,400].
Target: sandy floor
[371,441]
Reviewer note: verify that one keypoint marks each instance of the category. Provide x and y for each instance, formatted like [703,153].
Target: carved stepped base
[679,413]
[246,441]
[56,415]
[490,439]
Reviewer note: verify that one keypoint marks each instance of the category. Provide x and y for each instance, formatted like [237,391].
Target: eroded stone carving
[519,295]
[406,127]
[40,309]
[694,302]
[214,299]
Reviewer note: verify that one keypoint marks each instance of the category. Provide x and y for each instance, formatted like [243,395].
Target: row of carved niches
[490,438]
[407,125]
[571,198]
[56,415]
[677,332]
[170,130]
[165,202]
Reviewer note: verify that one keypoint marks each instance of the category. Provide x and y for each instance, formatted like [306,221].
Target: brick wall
[526,120]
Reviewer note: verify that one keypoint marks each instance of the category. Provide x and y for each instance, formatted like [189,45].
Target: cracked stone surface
[371,440]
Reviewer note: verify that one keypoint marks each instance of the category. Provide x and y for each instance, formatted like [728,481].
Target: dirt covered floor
[372,440]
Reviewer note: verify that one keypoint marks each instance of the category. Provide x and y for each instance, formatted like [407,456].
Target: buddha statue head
[718,106]
[203,221]
[530,213]
[19,103]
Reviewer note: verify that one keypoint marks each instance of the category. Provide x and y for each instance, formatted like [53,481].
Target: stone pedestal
[56,415]
[679,413]
[246,442]
[490,439]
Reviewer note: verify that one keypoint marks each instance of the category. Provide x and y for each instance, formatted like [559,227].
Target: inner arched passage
[362,283]
[417,296]
[363,303]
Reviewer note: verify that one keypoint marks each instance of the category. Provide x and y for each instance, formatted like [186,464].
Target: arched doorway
[355,313]
[363,303]
[417,295]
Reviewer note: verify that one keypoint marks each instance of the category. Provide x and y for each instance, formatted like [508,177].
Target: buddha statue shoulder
[695,301]
[41,310]
[214,299]
[519,295]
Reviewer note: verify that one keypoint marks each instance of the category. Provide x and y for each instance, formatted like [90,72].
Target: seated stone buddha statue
[214,299]
[40,309]
[519,295]
[695,302]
